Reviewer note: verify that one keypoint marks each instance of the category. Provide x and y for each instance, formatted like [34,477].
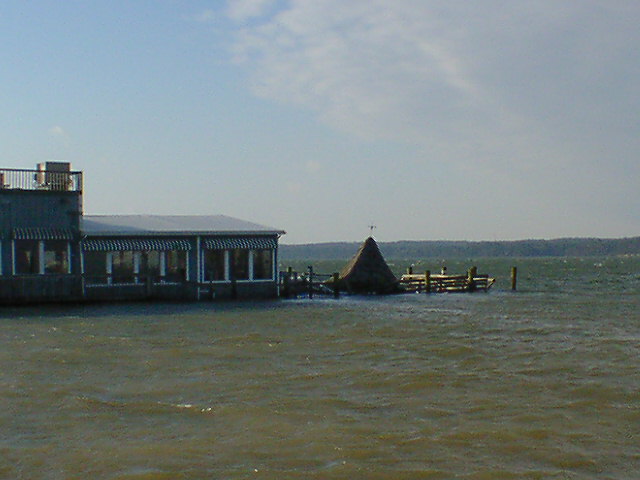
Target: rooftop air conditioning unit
[54,175]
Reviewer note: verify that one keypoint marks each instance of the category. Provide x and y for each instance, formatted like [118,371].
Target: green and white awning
[244,243]
[42,234]
[134,244]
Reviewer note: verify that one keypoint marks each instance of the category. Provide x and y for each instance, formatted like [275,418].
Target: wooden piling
[514,277]
[427,281]
[310,267]
[473,271]
[286,283]
[336,287]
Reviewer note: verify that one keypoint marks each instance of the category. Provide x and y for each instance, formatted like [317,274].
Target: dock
[443,283]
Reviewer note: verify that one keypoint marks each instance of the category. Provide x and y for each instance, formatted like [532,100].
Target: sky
[458,120]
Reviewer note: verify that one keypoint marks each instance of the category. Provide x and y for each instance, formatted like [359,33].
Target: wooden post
[427,281]
[286,282]
[310,267]
[514,277]
[473,271]
[336,289]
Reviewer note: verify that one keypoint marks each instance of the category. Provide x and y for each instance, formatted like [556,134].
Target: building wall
[20,209]
[39,289]
[39,209]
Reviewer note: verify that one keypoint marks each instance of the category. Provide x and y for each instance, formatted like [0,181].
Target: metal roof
[140,225]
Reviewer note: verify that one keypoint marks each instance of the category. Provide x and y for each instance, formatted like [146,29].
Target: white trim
[136,266]
[251,258]
[41,257]
[163,264]
[227,265]
[69,257]
[186,265]
[109,267]
[274,269]
[199,267]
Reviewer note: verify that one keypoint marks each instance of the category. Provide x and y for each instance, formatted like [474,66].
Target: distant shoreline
[562,247]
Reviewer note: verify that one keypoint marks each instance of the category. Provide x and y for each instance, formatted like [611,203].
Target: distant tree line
[562,247]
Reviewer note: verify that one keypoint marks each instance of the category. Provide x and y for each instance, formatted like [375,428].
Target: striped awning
[134,244]
[246,243]
[42,234]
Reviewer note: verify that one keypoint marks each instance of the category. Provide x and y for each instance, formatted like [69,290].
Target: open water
[543,383]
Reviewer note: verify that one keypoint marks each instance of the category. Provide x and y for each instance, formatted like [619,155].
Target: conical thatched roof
[367,272]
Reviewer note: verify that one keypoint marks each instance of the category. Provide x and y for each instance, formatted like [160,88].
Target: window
[56,256]
[130,266]
[27,256]
[95,267]
[149,266]
[214,265]
[263,264]
[240,265]
[123,267]
[175,266]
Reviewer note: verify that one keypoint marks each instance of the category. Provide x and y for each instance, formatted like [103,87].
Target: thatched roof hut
[367,272]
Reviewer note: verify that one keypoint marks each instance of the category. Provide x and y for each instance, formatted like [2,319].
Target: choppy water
[539,384]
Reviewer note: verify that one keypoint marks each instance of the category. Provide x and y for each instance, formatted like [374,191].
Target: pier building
[51,252]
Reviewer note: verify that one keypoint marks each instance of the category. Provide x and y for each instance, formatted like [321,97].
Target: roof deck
[41,179]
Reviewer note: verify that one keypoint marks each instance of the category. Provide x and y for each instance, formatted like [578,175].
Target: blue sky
[481,120]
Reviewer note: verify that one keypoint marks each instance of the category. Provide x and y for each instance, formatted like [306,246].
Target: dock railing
[441,283]
[20,179]
[309,283]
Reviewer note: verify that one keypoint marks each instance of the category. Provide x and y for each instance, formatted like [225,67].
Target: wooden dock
[443,283]
[310,283]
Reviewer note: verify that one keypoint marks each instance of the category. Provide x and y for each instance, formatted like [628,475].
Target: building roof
[114,225]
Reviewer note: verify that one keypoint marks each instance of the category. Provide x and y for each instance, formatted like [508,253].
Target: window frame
[159,278]
[251,270]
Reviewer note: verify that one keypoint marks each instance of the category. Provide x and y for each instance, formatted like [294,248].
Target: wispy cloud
[429,72]
[241,10]
[59,136]
[57,131]
[205,16]
[365,66]
[313,167]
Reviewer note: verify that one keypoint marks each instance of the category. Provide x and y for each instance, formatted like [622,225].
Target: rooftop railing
[18,179]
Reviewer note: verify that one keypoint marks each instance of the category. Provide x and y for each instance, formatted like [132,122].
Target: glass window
[263,264]
[56,256]
[240,265]
[95,267]
[123,267]
[149,266]
[27,256]
[214,265]
[175,266]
